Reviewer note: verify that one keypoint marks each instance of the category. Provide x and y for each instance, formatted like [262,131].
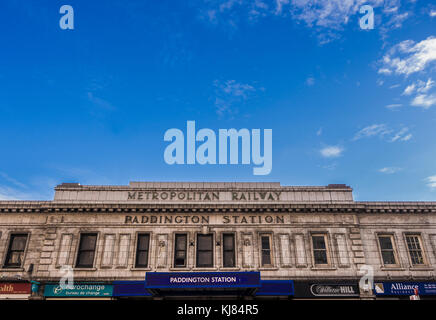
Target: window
[414,247]
[142,248]
[204,250]
[265,250]
[228,250]
[180,250]
[85,256]
[15,254]
[319,249]
[387,250]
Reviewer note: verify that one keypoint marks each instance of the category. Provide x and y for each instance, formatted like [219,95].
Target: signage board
[7,288]
[89,290]
[130,289]
[326,289]
[276,288]
[168,280]
[404,288]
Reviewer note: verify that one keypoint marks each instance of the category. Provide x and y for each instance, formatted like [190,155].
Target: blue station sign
[404,288]
[172,280]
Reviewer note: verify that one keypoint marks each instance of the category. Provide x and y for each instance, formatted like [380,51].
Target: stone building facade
[316,238]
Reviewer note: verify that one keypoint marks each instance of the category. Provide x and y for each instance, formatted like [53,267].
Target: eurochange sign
[78,290]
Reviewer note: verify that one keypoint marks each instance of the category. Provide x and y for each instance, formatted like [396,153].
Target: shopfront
[404,289]
[199,285]
[202,284]
[130,289]
[89,291]
[326,290]
[15,290]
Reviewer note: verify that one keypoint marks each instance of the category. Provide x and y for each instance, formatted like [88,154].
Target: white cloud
[100,103]
[383,131]
[230,92]
[325,17]
[409,57]
[10,194]
[384,71]
[310,81]
[12,180]
[431,181]
[409,89]
[419,86]
[372,130]
[402,135]
[394,106]
[331,151]
[433,13]
[423,100]
[390,170]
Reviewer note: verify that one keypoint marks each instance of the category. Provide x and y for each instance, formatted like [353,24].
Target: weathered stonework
[291,215]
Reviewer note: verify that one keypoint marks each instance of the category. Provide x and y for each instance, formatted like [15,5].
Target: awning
[202,283]
[276,288]
[130,289]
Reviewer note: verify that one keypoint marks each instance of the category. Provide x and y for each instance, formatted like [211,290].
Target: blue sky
[346,105]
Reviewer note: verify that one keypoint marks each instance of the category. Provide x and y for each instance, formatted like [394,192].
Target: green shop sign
[78,290]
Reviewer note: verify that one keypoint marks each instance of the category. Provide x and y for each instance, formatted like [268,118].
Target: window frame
[176,235]
[138,235]
[394,250]
[269,235]
[212,250]
[234,249]
[9,247]
[327,250]
[78,251]
[422,249]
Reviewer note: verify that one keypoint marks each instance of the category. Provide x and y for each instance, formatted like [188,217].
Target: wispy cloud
[390,170]
[372,130]
[384,132]
[13,193]
[431,181]
[229,93]
[12,180]
[419,86]
[402,135]
[331,151]
[310,81]
[423,100]
[326,18]
[100,103]
[413,58]
[409,57]
[394,106]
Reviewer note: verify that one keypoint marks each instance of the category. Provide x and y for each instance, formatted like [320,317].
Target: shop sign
[404,288]
[14,288]
[326,289]
[78,290]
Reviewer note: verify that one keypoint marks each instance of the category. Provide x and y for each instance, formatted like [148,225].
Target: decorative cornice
[105,207]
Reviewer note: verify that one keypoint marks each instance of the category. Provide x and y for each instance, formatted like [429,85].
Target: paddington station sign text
[205,219]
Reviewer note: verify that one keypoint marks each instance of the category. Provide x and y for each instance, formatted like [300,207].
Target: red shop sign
[15,288]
